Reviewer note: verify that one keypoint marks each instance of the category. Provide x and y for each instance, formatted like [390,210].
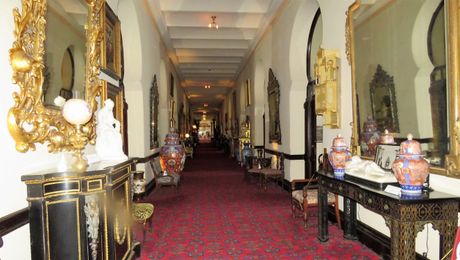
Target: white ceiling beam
[185,65]
[210,52]
[206,33]
[202,20]
[253,6]
[189,59]
[207,70]
[214,44]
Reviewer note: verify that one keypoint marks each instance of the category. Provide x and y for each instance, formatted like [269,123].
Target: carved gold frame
[29,121]
[452,168]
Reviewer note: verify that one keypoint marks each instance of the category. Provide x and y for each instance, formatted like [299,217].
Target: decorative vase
[139,184]
[172,155]
[245,152]
[410,168]
[370,137]
[339,155]
[387,138]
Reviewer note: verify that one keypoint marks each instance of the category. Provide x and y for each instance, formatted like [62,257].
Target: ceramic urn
[369,138]
[245,152]
[339,155]
[387,138]
[172,155]
[410,168]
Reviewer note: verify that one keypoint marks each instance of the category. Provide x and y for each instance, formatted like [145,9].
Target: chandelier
[213,23]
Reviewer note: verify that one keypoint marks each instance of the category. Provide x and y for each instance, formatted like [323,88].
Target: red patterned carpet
[216,215]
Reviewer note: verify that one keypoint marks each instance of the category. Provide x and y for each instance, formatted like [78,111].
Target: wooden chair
[274,174]
[162,178]
[143,212]
[308,196]
[255,165]
[188,149]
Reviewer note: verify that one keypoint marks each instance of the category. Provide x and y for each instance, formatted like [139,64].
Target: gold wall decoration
[327,88]
[451,167]
[29,120]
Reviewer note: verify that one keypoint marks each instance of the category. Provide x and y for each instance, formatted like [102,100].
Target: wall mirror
[65,49]
[273,90]
[154,113]
[31,120]
[407,40]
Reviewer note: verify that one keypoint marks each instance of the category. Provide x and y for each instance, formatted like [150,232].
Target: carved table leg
[323,232]
[447,229]
[350,219]
[402,238]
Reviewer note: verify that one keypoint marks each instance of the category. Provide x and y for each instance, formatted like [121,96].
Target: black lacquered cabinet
[78,216]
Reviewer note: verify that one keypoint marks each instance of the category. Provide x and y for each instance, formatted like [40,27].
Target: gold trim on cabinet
[78,224]
[61,191]
[29,121]
[98,182]
[452,168]
[65,178]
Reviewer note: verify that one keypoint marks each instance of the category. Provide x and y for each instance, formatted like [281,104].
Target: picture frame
[111,45]
[385,155]
[154,114]
[247,90]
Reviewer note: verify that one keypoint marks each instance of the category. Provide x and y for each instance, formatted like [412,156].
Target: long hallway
[217,215]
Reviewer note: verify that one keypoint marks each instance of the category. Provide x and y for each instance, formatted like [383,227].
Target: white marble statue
[368,170]
[109,144]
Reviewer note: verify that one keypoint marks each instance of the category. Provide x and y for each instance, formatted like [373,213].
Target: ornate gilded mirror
[274,129]
[29,120]
[154,113]
[383,101]
[407,40]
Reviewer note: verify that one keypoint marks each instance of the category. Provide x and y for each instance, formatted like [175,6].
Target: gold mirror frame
[452,168]
[29,121]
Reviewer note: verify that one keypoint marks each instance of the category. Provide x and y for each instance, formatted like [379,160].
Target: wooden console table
[405,217]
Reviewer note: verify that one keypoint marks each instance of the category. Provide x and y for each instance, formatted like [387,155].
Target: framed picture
[247,90]
[171,88]
[111,50]
[386,155]
[154,113]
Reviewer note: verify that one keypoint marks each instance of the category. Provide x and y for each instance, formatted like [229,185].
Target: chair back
[156,167]
[326,166]
[251,161]
[281,162]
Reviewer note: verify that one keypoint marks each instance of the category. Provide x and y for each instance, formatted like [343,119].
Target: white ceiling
[204,56]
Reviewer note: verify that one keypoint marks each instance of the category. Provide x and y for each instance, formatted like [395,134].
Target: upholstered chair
[302,199]
[163,178]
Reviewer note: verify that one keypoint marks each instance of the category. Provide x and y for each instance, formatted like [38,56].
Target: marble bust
[109,144]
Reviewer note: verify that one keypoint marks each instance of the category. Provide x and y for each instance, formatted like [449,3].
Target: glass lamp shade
[76,111]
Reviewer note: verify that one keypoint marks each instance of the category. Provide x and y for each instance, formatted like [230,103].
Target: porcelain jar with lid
[387,138]
[172,155]
[410,168]
[369,138]
[339,155]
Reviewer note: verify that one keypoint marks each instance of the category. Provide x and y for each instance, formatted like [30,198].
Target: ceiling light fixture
[205,105]
[213,23]
[207,86]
